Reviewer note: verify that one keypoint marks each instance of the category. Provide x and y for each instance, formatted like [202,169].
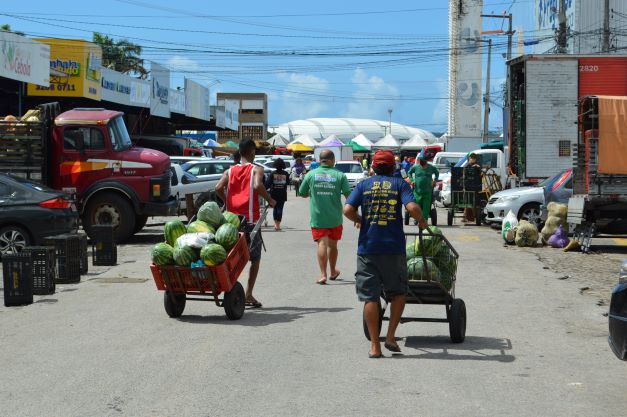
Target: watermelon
[210,213]
[173,230]
[162,254]
[200,226]
[213,254]
[231,218]
[410,250]
[227,236]
[415,270]
[185,255]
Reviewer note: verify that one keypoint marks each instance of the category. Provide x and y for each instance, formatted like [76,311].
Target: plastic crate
[69,270]
[68,254]
[104,248]
[44,269]
[17,277]
[220,278]
[84,261]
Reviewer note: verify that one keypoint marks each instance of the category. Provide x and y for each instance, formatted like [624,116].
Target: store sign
[74,69]
[140,93]
[23,59]
[177,101]
[159,99]
[116,87]
[197,99]
[231,114]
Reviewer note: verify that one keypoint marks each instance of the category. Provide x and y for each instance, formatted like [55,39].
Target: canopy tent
[388,141]
[305,140]
[332,140]
[211,143]
[278,140]
[357,147]
[299,147]
[362,141]
[415,143]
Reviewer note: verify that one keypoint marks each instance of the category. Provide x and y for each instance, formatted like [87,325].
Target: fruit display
[162,254]
[185,255]
[441,264]
[211,214]
[173,230]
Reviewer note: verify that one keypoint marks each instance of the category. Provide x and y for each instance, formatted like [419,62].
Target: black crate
[466,179]
[17,278]
[68,253]
[84,261]
[69,270]
[104,248]
[44,269]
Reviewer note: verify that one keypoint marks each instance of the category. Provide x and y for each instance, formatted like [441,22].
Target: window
[5,190]
[196,170]
[564,148]
[350,168]
[487,160]
[120,140]
[92,138]
[220,168]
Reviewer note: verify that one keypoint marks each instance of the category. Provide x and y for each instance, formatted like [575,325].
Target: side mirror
[185,179]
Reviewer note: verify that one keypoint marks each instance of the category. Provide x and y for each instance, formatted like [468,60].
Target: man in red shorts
[325,186]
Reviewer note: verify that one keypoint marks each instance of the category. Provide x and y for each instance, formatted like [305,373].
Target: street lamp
[390,118]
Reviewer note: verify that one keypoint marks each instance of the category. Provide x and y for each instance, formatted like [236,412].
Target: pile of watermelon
[441,264]
[210,238]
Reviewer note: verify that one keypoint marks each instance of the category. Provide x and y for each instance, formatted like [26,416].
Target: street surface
[535,345]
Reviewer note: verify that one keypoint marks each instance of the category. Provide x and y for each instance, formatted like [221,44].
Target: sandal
[253,303]
[334,277]
[321,281]
[392,347]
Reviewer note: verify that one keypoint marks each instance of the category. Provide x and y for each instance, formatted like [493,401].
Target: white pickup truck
[183,183]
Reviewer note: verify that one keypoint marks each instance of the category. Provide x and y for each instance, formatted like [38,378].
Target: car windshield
[120,140]
[350,168]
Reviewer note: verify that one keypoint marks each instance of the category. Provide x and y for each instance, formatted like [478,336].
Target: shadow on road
[475,348]
[608,248]
[262,316]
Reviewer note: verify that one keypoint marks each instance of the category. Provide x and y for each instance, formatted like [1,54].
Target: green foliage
[121,55]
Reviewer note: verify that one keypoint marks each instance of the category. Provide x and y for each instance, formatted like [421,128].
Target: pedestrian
[277,185]
[244,183]
[237,158]
[381,258]
[406,165]
[364,163]
[325,186]
[421,177]
[314,164]
[469,213]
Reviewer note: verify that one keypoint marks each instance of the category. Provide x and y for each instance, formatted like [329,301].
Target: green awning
[357,147]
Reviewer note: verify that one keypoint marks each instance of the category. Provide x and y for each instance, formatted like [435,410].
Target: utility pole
[562,42]
[605,47]
[486,105]
[509,32]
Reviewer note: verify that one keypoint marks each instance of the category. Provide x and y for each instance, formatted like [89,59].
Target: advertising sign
[140,93]
[159,99]
[23,59]
[75,65]
[231,114]
[116,87]
[177,101]
[197,100]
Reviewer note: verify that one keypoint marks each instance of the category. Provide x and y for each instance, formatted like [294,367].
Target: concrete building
[245,114]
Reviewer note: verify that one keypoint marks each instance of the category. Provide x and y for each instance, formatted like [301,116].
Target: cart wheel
[434,216]
[449,217]
[457,321]
[235,302]
[174,303]
[406,220]
[366,332]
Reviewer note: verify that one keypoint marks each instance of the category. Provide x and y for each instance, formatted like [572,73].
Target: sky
[314,59]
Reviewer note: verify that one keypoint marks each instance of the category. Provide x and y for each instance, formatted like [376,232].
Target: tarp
[414,143]
[305,140]
[211,143]
[612,135]
[278,140]
[231,144]
[362,141]
[299,147]
[387,141]
[331,141]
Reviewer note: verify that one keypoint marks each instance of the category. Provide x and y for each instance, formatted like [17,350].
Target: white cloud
[292,105]
[440,111]
[181,63]
[371,86]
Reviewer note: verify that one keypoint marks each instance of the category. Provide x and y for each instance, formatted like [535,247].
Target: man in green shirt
[421,177]
[325,186]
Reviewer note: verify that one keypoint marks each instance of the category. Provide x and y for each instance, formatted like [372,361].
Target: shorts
[334,233]
[255,247]
[377,272]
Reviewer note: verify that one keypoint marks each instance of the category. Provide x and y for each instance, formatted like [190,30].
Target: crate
[17,277]
[104,248]
[44,263]
[84,261]
[68,254]
[220,278]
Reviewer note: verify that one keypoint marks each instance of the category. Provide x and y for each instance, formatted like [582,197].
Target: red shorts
[334,233]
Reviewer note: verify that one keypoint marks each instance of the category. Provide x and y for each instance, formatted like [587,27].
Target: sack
[559,239]
[551,225]
[557,210]
[508,227]
[195,240]
[526,234]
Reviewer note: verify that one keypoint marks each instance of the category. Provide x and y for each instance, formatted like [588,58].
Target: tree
[122,55]
[7,28]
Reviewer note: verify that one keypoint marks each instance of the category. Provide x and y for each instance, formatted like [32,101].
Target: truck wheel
[140,222]
[109,208]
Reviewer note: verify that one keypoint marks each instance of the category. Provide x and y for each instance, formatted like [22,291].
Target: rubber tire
[28,241]
[127,215]
[366,332]
[433,214]
[406,220]
[449,217]
[174,308]
[140,222]
[235,302]
[457,321]
[526,206]
[478,216]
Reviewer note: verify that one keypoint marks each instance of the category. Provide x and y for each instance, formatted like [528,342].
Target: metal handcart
[428,284]
[467,193]
[208,283]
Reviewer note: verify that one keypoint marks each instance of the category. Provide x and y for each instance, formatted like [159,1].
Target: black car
[618,315]
[30,212]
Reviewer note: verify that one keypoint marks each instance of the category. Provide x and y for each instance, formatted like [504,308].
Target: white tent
[362,141]
[415,143]
[387,141]
[305,140]
[278,140]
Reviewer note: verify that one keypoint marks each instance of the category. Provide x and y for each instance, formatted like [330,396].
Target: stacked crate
[68,251]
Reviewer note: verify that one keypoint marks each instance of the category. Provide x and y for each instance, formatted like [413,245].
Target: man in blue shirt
[381,259]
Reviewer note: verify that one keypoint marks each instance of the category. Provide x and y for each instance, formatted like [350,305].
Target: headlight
[507,198]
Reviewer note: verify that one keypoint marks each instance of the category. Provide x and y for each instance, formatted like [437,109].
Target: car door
[79,169]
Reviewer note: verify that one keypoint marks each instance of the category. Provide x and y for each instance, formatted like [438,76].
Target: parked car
[444,161]
[30,212]
[354,171]
[211,169]
[526,202]
[179,160]
[183,183]
[618,315]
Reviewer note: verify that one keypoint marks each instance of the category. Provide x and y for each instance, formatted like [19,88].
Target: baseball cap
[383,158]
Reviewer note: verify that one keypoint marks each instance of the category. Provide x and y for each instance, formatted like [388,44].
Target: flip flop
[392,348]
[321,281]
[334,277]
[375,356]
[253,303]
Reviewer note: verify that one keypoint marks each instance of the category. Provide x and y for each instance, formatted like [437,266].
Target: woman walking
[277,184]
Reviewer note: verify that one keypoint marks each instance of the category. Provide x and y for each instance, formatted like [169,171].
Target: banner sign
[140,93]
[116,87]
[177,101]
[23,59]
[159,99]
[197,100]
[231,114]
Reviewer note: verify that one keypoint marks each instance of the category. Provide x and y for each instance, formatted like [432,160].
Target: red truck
[87,153]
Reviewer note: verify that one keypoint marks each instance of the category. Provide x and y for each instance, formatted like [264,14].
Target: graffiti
[468,96]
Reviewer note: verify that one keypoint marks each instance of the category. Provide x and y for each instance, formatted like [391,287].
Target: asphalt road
[105,347]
